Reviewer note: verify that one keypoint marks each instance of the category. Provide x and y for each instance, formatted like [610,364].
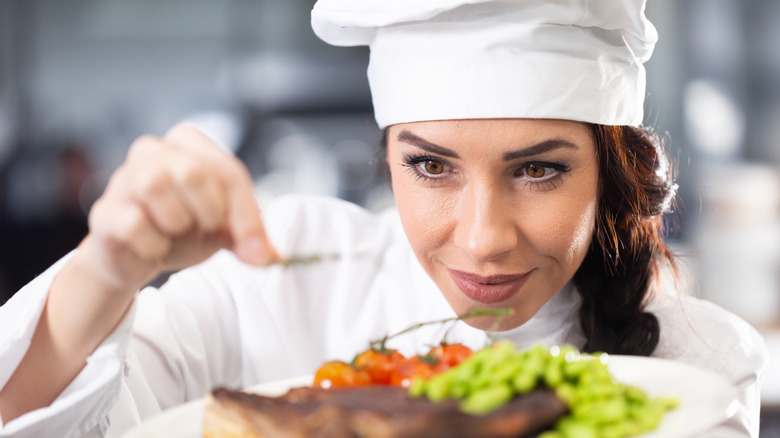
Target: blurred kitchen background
[80,80]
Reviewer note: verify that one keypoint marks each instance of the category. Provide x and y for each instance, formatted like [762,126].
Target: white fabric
[465,59]
[225,323]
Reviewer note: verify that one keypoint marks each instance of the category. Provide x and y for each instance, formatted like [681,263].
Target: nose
[485,229]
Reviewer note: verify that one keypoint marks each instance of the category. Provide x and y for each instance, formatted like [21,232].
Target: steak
[370,412]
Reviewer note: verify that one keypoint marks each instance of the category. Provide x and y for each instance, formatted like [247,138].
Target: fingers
[202,193]
[127,225]
[168,211]
[243,220]
[181,193]
[125,248]
[176,190]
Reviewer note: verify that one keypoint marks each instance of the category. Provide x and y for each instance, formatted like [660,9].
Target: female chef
[522,178]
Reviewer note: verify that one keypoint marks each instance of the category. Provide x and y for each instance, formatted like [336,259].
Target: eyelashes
[543,174]
[426,167]
[537,175]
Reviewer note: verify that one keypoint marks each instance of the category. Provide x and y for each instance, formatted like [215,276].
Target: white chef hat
[461,59]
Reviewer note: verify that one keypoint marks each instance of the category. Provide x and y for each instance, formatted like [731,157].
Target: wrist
[114,273]
[84,305]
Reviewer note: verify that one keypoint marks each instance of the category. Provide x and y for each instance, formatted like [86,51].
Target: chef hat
[462,59]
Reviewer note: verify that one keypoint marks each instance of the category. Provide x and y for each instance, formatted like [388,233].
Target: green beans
[599,406]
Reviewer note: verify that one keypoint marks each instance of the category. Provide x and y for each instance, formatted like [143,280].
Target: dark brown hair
[636,188]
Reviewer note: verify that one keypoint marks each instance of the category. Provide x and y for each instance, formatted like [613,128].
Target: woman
[522,179]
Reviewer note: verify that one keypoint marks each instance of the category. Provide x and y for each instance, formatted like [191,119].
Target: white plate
[706,399]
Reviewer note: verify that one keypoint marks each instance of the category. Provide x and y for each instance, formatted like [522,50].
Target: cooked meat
[370,412]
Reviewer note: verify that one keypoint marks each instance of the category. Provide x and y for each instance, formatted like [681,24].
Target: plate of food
[668,399]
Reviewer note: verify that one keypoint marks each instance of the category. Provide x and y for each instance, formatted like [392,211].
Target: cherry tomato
[379,364]
[337,374]
[449,355]
[409,369]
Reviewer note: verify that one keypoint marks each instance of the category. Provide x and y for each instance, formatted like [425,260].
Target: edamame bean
[418,387]
[599,406]
[524,382]
[487,399]
[438,388]
[576,429]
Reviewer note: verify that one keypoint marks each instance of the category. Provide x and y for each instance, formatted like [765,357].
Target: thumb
[256,249]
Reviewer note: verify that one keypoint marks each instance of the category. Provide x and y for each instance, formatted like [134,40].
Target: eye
[432,167]
[535,170]
[427,167]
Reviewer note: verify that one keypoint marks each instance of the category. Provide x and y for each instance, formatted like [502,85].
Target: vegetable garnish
[379,344]
[485,380]
[380,365]
[599,406]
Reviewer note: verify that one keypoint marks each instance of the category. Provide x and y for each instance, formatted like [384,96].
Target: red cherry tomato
[338,374]
[449,355]
[409,369]
[379,364]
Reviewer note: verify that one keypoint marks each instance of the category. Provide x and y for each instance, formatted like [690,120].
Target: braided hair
[636,188]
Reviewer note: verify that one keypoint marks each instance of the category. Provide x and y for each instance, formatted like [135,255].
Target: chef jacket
[224,323]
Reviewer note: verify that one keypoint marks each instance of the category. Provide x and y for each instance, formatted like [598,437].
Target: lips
[488,289]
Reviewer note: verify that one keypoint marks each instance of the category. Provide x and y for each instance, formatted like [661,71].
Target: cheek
[566,236]
[582,233]
[425,215]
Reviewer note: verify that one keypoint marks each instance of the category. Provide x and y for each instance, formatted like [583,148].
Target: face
[499,212]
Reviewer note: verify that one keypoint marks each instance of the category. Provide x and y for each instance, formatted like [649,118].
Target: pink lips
[488,289]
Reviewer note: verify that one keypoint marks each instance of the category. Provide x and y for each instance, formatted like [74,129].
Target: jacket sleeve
[174,344]
[83,408]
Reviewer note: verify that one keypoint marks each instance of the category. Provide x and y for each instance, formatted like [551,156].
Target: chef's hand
[174,202]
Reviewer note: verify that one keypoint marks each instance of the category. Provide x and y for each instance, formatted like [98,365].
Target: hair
[636,189]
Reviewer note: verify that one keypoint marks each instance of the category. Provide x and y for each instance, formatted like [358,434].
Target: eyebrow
[414,140]
[545,146]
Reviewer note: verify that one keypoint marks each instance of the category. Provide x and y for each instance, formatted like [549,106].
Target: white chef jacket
[226,323]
